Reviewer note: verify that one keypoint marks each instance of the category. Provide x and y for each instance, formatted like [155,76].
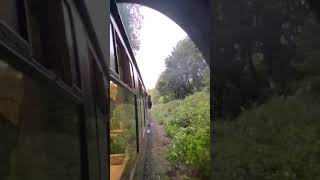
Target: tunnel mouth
[183,97]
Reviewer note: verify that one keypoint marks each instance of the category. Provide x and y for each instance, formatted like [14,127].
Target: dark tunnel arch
[192,16]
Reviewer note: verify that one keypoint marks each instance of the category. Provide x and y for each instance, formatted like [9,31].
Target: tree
[132,21]
[243,30]
[185,71]
[263,140]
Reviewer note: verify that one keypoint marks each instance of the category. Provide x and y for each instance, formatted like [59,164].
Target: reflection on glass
[39,134]
[123,142]
[112,52]
[140,116]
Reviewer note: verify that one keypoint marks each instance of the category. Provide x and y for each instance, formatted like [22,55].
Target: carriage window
[39,130]
[123,60]
[143,123]
[136,79]
[140,109]
[123,142]
[132,75]
[113,58]
[49,28]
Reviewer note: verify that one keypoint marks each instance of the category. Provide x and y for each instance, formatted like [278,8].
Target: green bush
[278,140]
[163,112]
[187,122]
[118,145]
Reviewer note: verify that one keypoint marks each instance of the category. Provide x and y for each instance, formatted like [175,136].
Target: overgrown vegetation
[187,122]
[182,106]
[255,44]
[279,138]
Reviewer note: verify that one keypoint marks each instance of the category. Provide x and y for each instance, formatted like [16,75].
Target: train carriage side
[56,86]
[127,106]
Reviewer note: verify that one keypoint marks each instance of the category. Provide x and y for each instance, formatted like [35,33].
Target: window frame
[119,42]
[34,69]
[38,80]
[116,77]
[64,66]
[73,53]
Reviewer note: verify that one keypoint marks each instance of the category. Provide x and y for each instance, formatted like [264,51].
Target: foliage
[278,140]
[187,122]
[181,99]
[184,73]
[132,21]
[118,145]
[243,30]
[309,50]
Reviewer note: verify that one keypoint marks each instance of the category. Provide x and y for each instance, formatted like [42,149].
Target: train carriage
[127,100]
[68,108]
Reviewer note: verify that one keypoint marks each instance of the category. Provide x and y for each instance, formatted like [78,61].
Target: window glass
[39,130]
[141,105]
[99,85]
[123,60]
[71,41]
[47,35]
[140,125]
[113,61]
[123,138]
[141,114]
[8,13]
[136,85]
[143,110]
[132,75]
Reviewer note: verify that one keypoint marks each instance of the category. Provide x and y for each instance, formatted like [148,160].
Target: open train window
[123,62]
[50,33]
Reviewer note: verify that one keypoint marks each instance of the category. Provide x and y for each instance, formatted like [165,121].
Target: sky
[158,36]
